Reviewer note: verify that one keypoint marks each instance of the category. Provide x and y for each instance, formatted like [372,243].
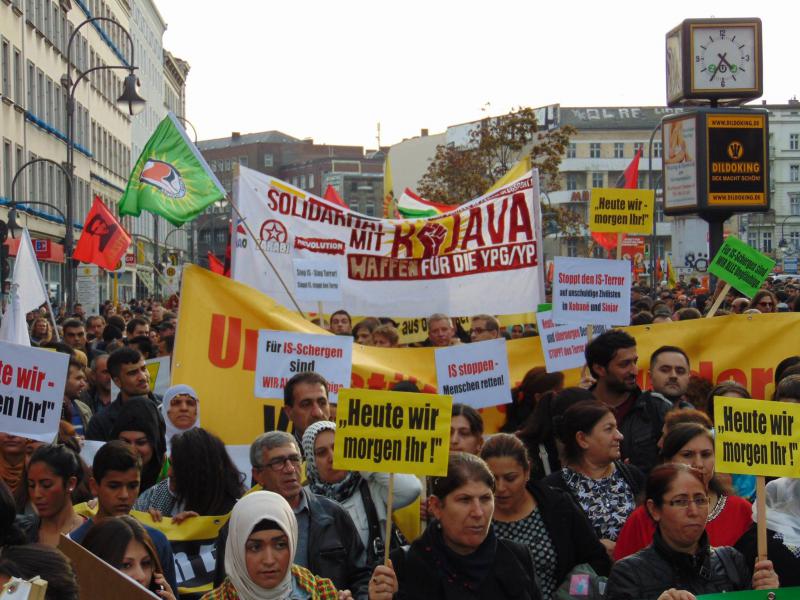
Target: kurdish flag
[412,206]
[171,178]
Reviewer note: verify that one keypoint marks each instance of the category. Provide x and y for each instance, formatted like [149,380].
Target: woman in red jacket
[728,516]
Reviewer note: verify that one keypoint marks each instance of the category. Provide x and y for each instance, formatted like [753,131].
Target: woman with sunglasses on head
[680,563]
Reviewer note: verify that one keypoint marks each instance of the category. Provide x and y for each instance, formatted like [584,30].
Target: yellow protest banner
[216,348]
[621,210]
[757,437]
[392,432]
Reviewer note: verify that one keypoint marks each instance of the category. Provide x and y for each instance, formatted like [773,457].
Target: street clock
[716,61]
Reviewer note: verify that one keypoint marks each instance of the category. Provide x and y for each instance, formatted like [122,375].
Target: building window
[369,209]
[8,169]
[18,91]
[268,160]
[31,87]
[637,146]
[302,182]
[597,180]
[794,173]
[227,165]
[752,238]
[571,150]
[572,247]
[572,181]
[794,141]
[659,212]
[643,181]
[794,239]
[5,60]
[794,204]
[656,149]
[243,161]
[594,150]
[598,251]
[766,241]
[310,181]
[619,150]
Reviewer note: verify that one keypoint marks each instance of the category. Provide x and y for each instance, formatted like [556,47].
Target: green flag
[171,178]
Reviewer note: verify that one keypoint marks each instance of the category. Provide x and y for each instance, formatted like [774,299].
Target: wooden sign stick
[387,538]
[715,307]
[761,508]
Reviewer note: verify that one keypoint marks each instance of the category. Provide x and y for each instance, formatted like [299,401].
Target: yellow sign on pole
[757,437]
[392,432]
[621,210]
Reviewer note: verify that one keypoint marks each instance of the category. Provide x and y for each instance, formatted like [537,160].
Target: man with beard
[612,358]
[669,373]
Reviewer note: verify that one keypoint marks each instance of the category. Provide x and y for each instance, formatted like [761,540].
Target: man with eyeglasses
[484,327]
[328,543]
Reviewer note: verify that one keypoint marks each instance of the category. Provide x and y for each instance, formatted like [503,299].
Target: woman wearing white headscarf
[259,552]
[181,410]
[783,531]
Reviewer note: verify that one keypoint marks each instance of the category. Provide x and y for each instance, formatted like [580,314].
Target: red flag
[332,196]
[103,240]
[630,181]
[215,265]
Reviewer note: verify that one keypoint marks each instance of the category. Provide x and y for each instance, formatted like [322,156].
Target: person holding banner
[680,563]
[459,555]
[783,530]
[124,544]
[729,516]
[362,494]
[603,486]
[541,517]
[260,553]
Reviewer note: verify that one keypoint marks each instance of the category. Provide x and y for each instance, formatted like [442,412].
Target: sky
[332,71]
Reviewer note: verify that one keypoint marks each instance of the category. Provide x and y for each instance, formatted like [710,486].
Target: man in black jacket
[611,358]
[128,371]
[328,543]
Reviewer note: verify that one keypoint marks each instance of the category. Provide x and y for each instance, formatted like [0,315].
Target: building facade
[34,46]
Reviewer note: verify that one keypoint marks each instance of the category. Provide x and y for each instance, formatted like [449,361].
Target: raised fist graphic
[431,236]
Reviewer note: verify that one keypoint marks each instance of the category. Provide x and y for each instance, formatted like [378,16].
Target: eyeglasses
[276,464]
[684,501]
[765,304]
[477,330]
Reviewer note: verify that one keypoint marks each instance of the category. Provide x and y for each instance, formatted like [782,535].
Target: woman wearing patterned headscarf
[259,552]
[362,494]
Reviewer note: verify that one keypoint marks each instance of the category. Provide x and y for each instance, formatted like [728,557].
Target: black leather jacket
[335,550]
[641,429]
[648,573]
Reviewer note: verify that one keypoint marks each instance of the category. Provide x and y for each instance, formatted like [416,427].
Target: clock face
[724,58]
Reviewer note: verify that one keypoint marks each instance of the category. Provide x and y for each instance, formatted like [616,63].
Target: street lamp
[130,102]
[783,244]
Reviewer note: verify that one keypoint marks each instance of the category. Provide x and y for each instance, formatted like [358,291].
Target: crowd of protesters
[602,489]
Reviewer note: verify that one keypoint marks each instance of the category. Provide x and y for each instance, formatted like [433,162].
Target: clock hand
[733,69]
[716,69]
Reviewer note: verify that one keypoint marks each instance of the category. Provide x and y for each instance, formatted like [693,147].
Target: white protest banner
[562,345]
[159,369]
[475,374]
[88,290]
[591,291]
[452,263]
[283,354]
[317,279]
[31,391]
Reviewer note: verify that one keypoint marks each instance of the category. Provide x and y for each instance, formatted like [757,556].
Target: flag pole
[264,254]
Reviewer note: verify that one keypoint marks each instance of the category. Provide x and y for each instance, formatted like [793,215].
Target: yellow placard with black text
[620,210]
[392,432]
[757,437]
